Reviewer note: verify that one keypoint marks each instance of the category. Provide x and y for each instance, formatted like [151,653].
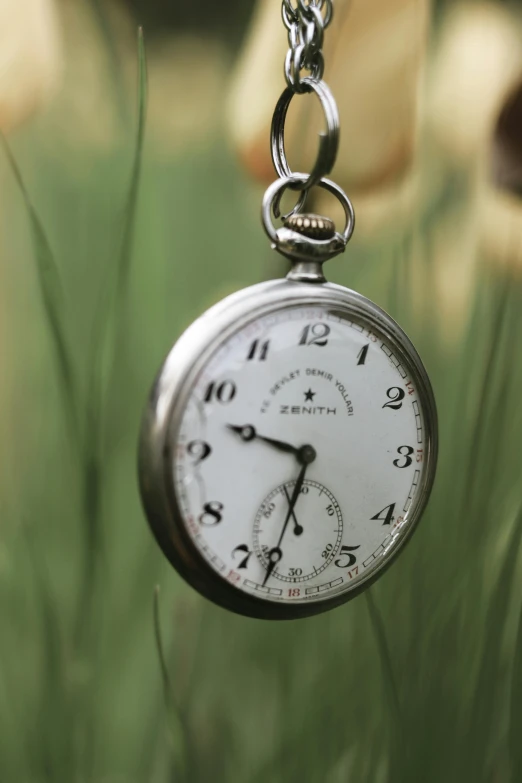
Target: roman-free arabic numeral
[199,450]
[243,548]
[224,392]
[258,350]
[326,552]
[351,558]
[315,334]
[396,396]
[295,571]
[211,514]
[388,517]
[330,510]
[406,452]
[363,353]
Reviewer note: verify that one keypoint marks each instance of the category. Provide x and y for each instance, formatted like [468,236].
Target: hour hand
[247,433]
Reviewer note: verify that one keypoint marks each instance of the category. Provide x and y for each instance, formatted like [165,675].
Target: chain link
[305,23]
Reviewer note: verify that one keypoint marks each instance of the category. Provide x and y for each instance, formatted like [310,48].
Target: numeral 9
[199,450]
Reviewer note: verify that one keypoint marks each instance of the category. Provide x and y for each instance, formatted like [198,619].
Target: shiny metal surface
[329,141]
[305,285]
[311,225]
[305,23]
[170,395]
[298,247]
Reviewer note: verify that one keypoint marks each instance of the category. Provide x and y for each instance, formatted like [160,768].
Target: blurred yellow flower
[375,55]
[478,59]
[30,58]
[374,60]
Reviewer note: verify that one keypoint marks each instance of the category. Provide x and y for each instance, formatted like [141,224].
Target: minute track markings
[253,378]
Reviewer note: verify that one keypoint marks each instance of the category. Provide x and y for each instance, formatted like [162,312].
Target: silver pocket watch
[289,444]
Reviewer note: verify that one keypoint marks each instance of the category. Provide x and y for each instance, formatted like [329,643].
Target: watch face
[302,453]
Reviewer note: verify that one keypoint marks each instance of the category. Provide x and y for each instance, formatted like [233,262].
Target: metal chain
[306,23]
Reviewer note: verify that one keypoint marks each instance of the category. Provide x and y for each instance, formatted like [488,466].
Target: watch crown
[312,226]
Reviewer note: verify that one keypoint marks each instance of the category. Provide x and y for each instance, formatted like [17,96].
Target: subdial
[313,536]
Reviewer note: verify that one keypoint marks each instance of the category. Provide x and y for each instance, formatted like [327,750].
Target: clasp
[307,253]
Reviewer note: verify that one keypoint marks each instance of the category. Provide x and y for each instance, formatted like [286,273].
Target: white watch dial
[299,454]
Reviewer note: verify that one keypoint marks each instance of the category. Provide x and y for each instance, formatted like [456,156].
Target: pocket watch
[289,444]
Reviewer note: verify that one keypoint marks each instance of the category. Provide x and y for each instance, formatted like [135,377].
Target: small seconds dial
[300,453]
[310,551]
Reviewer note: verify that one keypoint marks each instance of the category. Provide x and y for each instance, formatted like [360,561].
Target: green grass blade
[132,198]
[486,703]
[176,725]
[108,316]
[105,338]
[51,292]
[485,400]
[515,706]
[397,745]
[55,758]
[116,70]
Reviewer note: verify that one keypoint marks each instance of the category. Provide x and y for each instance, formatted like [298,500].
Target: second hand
[275,555]
[298,529]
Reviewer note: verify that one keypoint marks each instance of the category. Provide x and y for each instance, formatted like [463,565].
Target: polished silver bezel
[169,397]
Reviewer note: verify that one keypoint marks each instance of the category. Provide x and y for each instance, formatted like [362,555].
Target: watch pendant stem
[306,272]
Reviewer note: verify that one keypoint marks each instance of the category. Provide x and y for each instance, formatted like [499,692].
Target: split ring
[329,141]
[321,248]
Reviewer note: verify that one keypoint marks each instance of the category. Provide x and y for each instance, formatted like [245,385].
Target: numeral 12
[315,334]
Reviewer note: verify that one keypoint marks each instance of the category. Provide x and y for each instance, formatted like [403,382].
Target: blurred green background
[103,262]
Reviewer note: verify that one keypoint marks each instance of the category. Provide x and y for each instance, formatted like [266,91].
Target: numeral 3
[406,452]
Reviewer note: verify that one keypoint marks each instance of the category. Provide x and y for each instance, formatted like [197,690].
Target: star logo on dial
[309,395]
